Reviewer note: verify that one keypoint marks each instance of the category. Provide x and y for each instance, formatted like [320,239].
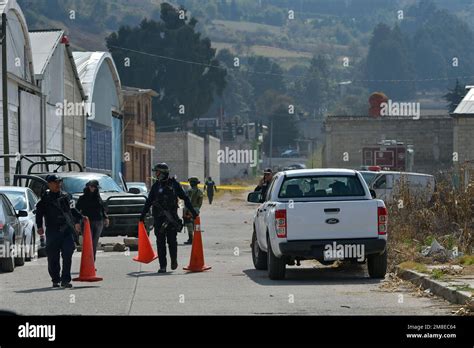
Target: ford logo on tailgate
[332,221]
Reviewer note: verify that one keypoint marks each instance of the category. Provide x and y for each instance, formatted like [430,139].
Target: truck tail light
[280,223]
[382,219]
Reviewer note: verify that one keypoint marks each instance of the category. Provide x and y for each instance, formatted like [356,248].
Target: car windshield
[321,186]
[18,199]
[76,184]
[368,176]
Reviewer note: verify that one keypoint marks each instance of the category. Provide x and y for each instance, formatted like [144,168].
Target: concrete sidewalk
[447,281]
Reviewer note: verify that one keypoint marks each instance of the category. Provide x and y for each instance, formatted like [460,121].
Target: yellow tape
[225,187]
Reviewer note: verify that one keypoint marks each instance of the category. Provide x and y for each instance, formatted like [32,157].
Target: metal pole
[271,141]
[6,140]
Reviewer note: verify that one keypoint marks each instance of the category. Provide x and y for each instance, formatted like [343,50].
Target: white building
[24,97]
[101,83]
[63,118]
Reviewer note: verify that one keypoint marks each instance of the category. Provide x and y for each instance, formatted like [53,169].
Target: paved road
[233,286]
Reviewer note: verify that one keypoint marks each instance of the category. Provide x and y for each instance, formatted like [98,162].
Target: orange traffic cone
[146,254]
[87,273]
[196,263]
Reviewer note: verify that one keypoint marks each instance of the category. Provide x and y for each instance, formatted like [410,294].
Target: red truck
[389,155]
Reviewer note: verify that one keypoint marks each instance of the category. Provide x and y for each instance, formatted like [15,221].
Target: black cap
[53,178]
[93,182]
[268,171]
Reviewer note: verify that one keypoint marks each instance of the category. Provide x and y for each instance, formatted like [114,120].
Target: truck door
[383,187]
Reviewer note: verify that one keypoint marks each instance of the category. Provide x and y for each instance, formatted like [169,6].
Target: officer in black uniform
[62,224]
[163,197]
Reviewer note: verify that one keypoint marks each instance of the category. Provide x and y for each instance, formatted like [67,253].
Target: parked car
[12,237]
[22,198]
[387,183]
[290,153]
[295,166]
[305,211]
[138,185]
[123,208]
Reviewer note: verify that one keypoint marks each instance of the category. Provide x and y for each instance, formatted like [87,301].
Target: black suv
[123,207]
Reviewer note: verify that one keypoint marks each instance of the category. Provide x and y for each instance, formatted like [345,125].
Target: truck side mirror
[254,197]
[373,194]
[134,190]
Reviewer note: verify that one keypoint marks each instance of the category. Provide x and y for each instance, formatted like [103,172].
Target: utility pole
[271,141]
[6,140]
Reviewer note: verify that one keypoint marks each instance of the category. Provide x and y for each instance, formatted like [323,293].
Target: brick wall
[182,151]
[463,139]
[432,137]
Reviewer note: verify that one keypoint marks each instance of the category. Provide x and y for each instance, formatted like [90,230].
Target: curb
[438,288]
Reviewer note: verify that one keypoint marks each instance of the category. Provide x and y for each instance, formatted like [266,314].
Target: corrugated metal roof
[127,90]
[43,44]
[466,106]
[88,64]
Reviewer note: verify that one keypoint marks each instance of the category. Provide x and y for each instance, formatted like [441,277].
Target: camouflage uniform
[195,196]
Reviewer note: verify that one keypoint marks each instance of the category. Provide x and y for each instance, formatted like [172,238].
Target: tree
[454,96]
[238,93]
[264,75]
[314,91]
[388,60]
[285,131]
[174,60]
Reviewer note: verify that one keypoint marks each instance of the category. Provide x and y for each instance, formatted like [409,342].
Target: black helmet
[194,180]
[164,171]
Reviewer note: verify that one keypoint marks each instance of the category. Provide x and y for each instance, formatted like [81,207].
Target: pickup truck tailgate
[332,220]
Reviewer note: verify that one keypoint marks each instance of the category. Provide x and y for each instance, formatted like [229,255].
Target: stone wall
[212,167]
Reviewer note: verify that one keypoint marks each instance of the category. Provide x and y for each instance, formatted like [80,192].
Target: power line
[286,75]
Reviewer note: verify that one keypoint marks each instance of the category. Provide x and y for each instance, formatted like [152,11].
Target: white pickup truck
[321,214]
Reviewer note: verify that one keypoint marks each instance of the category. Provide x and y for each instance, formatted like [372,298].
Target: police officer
[264,182]
[210,187]
[62,223]
[163,197]
[195,196]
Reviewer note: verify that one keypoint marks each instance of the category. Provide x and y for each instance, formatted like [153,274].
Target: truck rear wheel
[276,266]
[377,265]
[259,257]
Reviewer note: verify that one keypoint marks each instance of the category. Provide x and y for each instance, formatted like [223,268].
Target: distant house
[101,83]
[62,108]
[24,97]
[139,133]
[463,129]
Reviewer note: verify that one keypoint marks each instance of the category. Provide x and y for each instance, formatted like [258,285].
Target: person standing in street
[62,223]
[91,205]
[195,196]
[210,187]
[264,182]
[163,197]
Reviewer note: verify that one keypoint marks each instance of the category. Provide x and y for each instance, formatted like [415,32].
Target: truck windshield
[17,198]
[321,186]
[369,176]
[76,184]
